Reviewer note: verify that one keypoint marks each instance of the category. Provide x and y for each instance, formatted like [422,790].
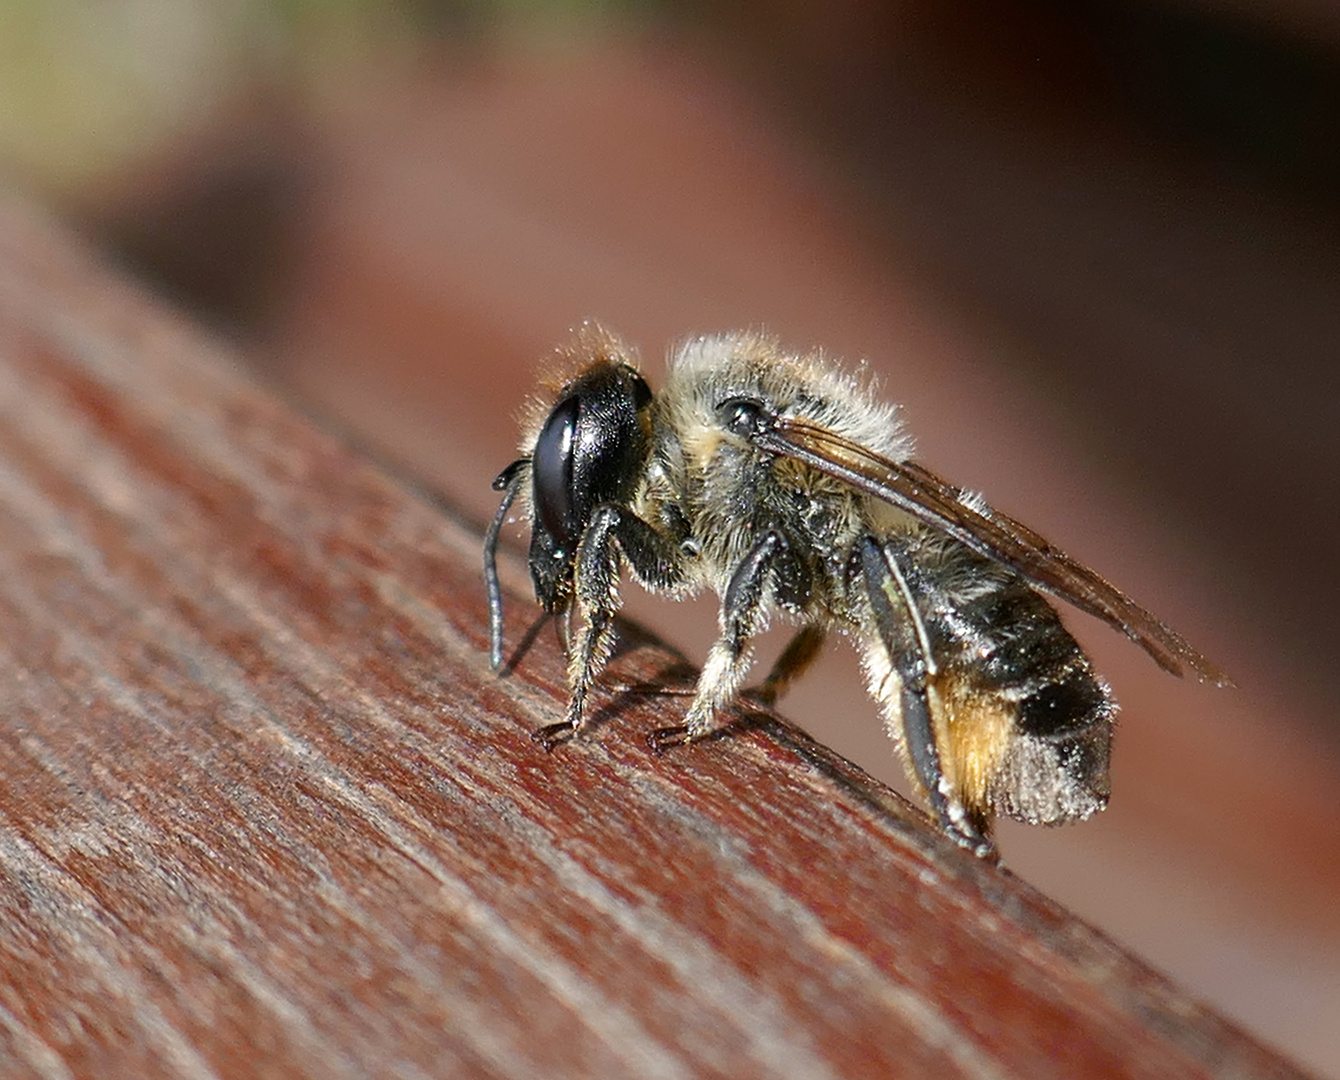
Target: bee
[780,482]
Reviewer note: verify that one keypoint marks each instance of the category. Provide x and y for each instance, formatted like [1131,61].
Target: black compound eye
[741,416]
[551,468]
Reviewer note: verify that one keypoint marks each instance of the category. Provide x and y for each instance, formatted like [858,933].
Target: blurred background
[1092,246]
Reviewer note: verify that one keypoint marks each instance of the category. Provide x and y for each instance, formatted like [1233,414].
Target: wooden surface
[264,810]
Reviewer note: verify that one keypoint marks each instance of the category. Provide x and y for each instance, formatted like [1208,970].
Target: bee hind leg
[728,661]
[902,633]
[800,652]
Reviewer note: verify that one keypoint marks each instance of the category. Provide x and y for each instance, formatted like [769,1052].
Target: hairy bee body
[732,494]
[780,482]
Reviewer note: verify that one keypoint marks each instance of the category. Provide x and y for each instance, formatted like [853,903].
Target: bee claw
[552,736]
[662,739]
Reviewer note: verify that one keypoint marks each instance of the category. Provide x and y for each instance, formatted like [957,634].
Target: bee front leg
[906,644]
[614,533]
[728,661]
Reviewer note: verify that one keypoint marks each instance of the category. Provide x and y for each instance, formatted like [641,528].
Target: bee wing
[996,536]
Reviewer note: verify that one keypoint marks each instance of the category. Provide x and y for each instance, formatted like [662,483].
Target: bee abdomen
[1031,726]
[1056,708]
[1056,767]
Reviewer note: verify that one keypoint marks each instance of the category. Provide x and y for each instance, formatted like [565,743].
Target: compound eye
[741,416]
[551,468]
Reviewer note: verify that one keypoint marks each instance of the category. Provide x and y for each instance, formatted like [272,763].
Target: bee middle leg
[903,635]
[613,533]
[728,660]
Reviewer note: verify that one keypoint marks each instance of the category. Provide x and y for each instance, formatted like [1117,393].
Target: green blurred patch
[88,87]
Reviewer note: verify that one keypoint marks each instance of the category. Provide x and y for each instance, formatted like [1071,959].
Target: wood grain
[265,811]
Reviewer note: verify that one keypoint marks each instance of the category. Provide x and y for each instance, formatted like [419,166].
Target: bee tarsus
[552,736]
[663,739]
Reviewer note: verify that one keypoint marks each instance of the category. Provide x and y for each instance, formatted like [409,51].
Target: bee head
[590,450]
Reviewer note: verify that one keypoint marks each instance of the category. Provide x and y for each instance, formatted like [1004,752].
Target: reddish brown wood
[264,810]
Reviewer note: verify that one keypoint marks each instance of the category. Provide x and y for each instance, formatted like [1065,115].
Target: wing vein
[914,489]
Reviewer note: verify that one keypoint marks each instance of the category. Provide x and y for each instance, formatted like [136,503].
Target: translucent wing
[994,535]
